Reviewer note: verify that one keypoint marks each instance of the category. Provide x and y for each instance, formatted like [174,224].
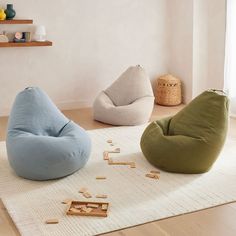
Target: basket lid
[169,78]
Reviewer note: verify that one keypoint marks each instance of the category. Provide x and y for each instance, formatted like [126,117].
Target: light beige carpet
[134,198]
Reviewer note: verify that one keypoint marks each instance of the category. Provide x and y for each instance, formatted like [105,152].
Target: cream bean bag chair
[128,101]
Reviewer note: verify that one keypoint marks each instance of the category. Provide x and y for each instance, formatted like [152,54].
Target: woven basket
[168,91]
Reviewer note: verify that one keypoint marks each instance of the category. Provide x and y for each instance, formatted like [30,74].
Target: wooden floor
[215,221]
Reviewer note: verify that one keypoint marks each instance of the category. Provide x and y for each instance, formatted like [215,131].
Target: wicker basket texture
[168,91]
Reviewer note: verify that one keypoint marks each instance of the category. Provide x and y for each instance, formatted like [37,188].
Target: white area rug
[134,198]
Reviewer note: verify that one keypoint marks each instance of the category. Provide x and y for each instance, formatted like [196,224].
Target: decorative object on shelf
[168,91]
[3,38]
[27,36]
[10,12]
[10,35]
[19,38]
[40,33]
[2,14]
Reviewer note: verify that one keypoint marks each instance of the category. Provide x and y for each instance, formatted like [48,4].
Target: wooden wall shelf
[27,44]
[15,22]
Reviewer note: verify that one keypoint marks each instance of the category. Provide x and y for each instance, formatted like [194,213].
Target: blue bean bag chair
[42,144]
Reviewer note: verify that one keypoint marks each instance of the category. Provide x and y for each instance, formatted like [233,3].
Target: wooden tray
[74,209]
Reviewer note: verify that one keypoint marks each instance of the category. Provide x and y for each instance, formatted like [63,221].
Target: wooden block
[67,201]
[157,176]
[52,221]
[119,163]
[110,161]
[112,144]
[101,196]
[116,150]
[155,171]
[92,205]
[153,176]
[109,141]
[104,207]
[74,210]
[132,165]
[84,208]
[150,175]
[105,155]
[87,195]
[79,206]
[82,190]
[88,211]
[101,177]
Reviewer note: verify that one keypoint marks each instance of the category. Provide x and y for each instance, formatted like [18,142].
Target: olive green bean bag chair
[190,141]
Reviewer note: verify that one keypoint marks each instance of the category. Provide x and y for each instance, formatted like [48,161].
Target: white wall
[181,43]
[216,42]
[197,42]
[209,36]
[94,41]
[200,47]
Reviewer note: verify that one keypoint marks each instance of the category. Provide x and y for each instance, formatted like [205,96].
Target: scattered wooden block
[104,207]
[110,161]
[116,150]
[82,190]
[101,210]
[132,165]
[92,205]
[152,176]
[109,141]
[66,201]
[87,195]
[101,177]
[101,196]
[105,155]
[52,221]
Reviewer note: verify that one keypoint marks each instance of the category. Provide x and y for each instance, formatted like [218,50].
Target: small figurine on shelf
[10,12]
[27,36]
[19,38]
[2,15]
[3,38]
